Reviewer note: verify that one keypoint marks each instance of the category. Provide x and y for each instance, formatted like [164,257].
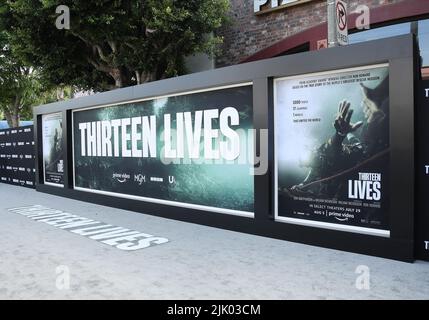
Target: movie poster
[53,157]
[193,150]
[332,150]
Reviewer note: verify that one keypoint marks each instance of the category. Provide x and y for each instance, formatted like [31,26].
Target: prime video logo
[121,177]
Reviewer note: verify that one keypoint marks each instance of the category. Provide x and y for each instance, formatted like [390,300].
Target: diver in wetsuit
[344,150]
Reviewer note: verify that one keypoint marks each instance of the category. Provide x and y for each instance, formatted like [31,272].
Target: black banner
[422,204]
[190,150]
[17,157]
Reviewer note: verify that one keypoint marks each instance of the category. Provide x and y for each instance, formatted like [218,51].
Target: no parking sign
[341,22]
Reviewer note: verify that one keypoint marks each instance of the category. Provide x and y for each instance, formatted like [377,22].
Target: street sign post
[337,23]
[341,22]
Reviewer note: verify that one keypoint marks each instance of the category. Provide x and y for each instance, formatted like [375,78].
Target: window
[396,30]
[424,41]
[379,33]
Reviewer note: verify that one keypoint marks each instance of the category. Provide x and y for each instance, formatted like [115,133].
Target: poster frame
[149,199]
[57,185]
[311,222]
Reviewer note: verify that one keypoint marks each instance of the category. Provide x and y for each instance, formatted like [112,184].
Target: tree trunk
[60,94]
[145,77]
[12,112]
[119,77]
[12,119]
[118,82]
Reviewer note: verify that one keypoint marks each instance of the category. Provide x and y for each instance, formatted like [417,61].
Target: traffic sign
[341,22]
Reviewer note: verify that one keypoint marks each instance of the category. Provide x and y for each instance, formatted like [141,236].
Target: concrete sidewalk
[198,263]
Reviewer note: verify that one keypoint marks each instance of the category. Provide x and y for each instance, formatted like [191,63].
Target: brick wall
[248,33]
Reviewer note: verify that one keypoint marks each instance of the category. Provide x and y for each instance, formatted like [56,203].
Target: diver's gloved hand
[342,123]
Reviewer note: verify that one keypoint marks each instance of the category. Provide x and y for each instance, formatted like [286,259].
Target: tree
[19,84]
[112,43]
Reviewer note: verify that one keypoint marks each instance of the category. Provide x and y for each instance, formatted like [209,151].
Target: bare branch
[112,45]
[99,66]
[131,46]
[138,78]
[81,38]
[102,55]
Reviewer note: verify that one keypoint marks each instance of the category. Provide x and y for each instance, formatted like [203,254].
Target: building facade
[261,29]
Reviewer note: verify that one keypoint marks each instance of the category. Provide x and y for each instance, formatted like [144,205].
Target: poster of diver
[332,150]
[53,159]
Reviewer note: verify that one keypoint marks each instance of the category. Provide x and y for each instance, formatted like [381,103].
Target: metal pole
[332,25]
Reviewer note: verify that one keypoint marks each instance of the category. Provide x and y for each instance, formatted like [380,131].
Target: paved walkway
[198,263]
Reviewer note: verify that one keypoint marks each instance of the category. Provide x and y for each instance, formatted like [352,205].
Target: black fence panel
[17,156]
[422,203]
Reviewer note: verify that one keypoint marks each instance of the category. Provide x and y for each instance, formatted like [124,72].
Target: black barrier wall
[422,212]
[17,156]
[111,154]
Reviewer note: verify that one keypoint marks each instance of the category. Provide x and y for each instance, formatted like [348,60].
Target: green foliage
[19,84]
[112,43]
